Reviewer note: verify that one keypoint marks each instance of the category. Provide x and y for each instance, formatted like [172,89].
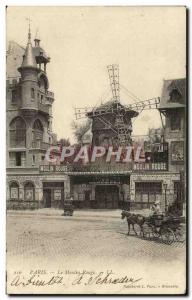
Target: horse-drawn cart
[167,228]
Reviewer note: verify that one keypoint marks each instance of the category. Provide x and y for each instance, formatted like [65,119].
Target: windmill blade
[81,112]
[113,71]
[144,105]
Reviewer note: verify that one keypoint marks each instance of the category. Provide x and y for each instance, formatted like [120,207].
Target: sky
[148,44]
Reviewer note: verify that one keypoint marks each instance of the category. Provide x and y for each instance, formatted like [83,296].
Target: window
[29,191]
[42,157]
[32,93]
[14,96]
[147,192]
[148,187]
[37,131]
[175,121]
[18,159]
[17,133]
[175,95]
[33,160]
[14,191]
[41,98]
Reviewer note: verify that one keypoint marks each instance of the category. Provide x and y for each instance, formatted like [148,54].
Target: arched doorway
[14,190]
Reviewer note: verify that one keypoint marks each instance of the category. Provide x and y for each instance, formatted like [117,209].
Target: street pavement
[89,240]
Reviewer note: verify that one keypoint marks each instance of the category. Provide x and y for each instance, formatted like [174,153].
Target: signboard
[115,168]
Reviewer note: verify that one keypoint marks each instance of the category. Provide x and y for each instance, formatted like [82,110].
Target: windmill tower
[122,124]
[112,121]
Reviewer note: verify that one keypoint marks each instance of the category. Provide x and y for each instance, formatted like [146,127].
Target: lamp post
[165,188]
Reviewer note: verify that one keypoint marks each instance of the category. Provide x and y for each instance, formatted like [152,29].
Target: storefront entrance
[107,196]
[53,194]
[47,197]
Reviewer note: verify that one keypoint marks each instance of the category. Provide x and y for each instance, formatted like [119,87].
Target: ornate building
[168,185]
[29,123]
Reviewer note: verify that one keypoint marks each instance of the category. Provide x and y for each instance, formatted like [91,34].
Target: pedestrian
[156,208]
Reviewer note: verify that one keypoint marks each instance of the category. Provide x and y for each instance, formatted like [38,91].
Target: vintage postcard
[96,117]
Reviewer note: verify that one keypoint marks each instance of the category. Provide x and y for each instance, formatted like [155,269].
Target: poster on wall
[57,194]
[14,193]
[29,194]
[177,151]
[85,114]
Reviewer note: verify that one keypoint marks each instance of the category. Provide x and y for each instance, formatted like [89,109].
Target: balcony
[50,96]
[40,145]
[13,82]
[43,108]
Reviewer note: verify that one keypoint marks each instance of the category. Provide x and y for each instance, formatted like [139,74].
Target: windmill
[113,119]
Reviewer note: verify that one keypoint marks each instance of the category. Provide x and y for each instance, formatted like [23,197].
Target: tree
[80,129]
[155,135]
[64,142]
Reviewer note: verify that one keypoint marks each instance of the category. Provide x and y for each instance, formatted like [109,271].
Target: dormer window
[175,95]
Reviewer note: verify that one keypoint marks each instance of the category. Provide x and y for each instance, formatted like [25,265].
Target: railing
[13,81]
[16,144]
[50,94]
[40,145]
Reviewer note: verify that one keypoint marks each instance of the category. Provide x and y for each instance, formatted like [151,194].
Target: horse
[133,219]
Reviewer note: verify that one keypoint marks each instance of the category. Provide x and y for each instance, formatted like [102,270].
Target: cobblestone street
[88,240]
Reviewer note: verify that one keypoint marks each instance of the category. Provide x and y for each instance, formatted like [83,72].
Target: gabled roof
[174,85]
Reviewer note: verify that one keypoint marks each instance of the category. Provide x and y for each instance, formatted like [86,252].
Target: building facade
[29,127]
[32,183]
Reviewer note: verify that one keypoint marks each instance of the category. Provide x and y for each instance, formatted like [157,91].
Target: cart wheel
[180,235]
[167,236]
[146,232]
[155,234]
